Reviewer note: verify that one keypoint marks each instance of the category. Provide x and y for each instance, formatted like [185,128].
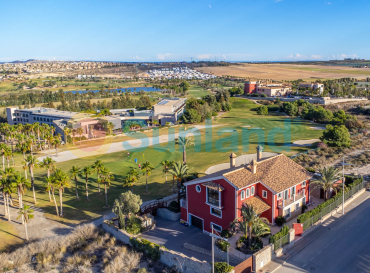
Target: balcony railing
[284,203]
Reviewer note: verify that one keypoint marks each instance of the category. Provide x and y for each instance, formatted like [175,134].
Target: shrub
[142,270]
[222,267]
[262,110]
[283,232]
[225,233]
[280,220]
[174,207]
[133,225]
[223,245]
[147,247]
[304,207]
[312,170]
[255,95]
[263,95]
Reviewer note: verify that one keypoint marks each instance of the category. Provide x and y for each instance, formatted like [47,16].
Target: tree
[60,182]
[8,187]
[166,165]
[97,166]
[26,214]
[262,110]
[49,137]
[128,203]
[22,184]
[290,109]
[185,86]
[80,131]
[249,216]
[32,163]
[8,153]
[50,188]
[179,171]
[110,127]
[184,142]
[327,179]
[146,169]
[56,143]
[191,116]
[337,136]
[49,164]
[74,171]
[2,150]
[84,173]
[105,177]
[22,147]
[131,177]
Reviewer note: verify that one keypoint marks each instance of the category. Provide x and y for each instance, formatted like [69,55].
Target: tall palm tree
[49,137]
[179,171]
[74,171]
[130,179]
[32,163]
[56,143]
[80,131]
[26,214]
[97,166]
[49,186]
[84,173]
[184,142]
[110,127]
[2,151]
[22,185]
[25,167]
[146,169]
[166,165]
[22,147]
[8,187]
[49,164]
[249,216]
[74,135]
[105,177]
[327,179]
[67,132]
[60,182]
[8,153]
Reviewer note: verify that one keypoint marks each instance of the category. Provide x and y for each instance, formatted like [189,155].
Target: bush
[133,225]
[255,95]
[283,232]
[225,233]
[262,110]
[223,245]
[312,170]
[304,207]
[174,207]
[263,95]
[142,270]
[151,249]
[280,220]
[222,267]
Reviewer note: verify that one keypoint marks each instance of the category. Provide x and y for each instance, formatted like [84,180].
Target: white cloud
[276,1]
[163,56]
[224,56]
[328,3]
[136,58]
[342,56]
[210,6]
[300,57]
[204,56]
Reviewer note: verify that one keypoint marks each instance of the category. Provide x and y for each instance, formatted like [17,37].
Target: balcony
[284,203]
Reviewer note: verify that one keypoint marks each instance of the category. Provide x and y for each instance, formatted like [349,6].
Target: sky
[179,30]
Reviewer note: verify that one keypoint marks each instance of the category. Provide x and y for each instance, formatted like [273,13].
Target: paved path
[119,146]
[340,244]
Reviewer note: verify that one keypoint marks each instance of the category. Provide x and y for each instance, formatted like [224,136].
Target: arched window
[248,193]
[198,188]
[252,190]
[243,194]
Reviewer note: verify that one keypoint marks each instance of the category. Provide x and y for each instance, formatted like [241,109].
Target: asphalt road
[343,246]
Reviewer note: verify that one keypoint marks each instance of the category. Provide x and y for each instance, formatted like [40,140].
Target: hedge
[283,232]
[306,216]
[147,247]
[222,267]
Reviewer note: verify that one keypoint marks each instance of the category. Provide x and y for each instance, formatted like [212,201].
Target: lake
[121,90]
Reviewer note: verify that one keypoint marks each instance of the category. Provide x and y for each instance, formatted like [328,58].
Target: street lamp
[344,164]
[213,250]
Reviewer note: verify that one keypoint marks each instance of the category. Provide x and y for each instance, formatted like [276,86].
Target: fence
[282,241]
[329,208]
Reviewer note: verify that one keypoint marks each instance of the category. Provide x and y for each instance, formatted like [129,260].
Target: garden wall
[169,215]
[245,267]
[263,257]
[168,257]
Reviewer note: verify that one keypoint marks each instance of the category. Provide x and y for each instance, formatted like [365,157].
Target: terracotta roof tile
[213,185]
[258,204]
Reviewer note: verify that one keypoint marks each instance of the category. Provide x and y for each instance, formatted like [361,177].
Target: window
[304,184]
[213,197]
[264,194]
[287,213]
[198,188]
[252,190]
[297,206]
[34,118]
[243,194]
[286,194]
[248,193]
[216,227]
[279,196]
[292,191]
[216,212]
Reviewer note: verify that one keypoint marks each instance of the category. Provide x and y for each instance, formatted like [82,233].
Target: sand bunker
[318,128]
[308,142]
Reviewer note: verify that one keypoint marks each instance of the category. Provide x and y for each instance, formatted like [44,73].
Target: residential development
[178,73]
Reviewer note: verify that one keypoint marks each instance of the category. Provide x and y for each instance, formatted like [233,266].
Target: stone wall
[170,258]
[169,215]
[263,257]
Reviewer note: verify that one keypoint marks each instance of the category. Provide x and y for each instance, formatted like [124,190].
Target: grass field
[8,236]
[197,92]
[120,163]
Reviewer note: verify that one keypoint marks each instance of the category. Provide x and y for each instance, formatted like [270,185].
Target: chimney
[259,152]
[254,166]
[232,160]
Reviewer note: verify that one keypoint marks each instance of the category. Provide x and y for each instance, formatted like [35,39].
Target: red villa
[274,186]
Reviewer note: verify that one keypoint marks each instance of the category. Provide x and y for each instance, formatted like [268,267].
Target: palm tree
[80,131]
[49,164]
[131,177]
[97,166]
[2,150]
[25,167]
[49,187]
[22,147]
[26,214]
[84,173]
[50,139]
[110,127]
[179,171]
[74,171]
[8,153]
[105,177]
[8,187]
[22,185]
[249,216]
[184,141]
[327,179]
[56,143]
[67,132]
[146,169]
[32,163]
[60,182]
[74,135]
[166,165]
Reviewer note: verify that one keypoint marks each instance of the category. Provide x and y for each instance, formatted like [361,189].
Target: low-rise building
[313,86]
[271,90]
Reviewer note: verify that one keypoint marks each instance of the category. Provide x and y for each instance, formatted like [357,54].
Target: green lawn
[120,163]
[197,92]
[8,236]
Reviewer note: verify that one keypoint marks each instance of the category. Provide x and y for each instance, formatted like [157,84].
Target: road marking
[333,241]
[304,265]
[319,252]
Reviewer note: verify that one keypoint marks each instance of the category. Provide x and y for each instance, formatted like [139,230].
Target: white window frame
[248,193]
[198,187]
[279,194]
[210,211]
[303,184]
[263,193]
[291,191]
[242,195]
[297,206]
[219,199]
[252,190]
[213,224]
[286,194]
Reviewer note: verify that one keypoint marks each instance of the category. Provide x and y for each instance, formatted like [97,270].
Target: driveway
[173,235]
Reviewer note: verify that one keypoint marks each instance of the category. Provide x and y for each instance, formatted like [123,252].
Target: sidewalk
[302,242]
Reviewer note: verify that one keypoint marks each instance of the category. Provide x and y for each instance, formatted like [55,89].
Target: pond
[120,90]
